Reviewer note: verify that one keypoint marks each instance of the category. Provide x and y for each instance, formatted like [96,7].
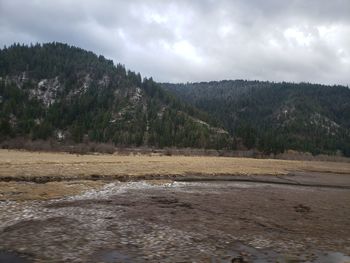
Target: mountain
[63,93]
[60,92]
[274,117]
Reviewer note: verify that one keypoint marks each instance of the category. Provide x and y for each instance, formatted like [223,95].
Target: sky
[198,40]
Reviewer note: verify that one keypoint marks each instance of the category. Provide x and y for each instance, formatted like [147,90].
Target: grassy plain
[22,164]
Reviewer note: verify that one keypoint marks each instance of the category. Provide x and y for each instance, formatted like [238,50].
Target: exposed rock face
[46,91]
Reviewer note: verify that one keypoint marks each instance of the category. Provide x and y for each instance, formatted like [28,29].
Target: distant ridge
[274,117]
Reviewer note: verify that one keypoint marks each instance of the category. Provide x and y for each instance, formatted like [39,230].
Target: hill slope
[276,116]
[56,91]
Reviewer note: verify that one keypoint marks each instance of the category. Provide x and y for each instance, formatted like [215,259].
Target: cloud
[196,40]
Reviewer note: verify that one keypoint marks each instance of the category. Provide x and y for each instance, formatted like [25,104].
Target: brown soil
[182,222]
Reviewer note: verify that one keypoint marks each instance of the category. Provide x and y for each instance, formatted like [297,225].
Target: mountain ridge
[54,91]
[66,93]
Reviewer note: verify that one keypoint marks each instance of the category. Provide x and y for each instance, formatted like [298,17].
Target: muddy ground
[247,220]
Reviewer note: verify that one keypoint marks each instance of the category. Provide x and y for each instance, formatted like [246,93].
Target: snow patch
[136,97]
[104,82]
[60,135]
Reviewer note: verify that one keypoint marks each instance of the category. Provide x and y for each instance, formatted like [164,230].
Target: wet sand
[207,221]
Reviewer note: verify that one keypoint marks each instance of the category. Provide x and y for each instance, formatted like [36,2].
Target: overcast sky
[199,40]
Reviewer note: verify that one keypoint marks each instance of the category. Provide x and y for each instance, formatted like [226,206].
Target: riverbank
[57,207]
[181,222]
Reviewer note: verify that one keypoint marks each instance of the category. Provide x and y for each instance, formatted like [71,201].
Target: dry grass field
[17,191]
[22,164]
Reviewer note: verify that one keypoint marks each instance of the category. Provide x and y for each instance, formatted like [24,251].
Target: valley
[143,208]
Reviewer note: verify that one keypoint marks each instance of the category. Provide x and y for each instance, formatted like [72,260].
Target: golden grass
[33,164]
[16,191]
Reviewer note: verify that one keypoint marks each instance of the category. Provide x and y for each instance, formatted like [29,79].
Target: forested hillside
[63,93]
[56,91]
[274,117]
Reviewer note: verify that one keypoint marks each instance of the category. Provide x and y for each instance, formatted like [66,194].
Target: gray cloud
[196,40]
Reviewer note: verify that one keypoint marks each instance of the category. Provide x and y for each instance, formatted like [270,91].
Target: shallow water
[331,257]
[13,257]
[245,253]
[253,255]
[113,257]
